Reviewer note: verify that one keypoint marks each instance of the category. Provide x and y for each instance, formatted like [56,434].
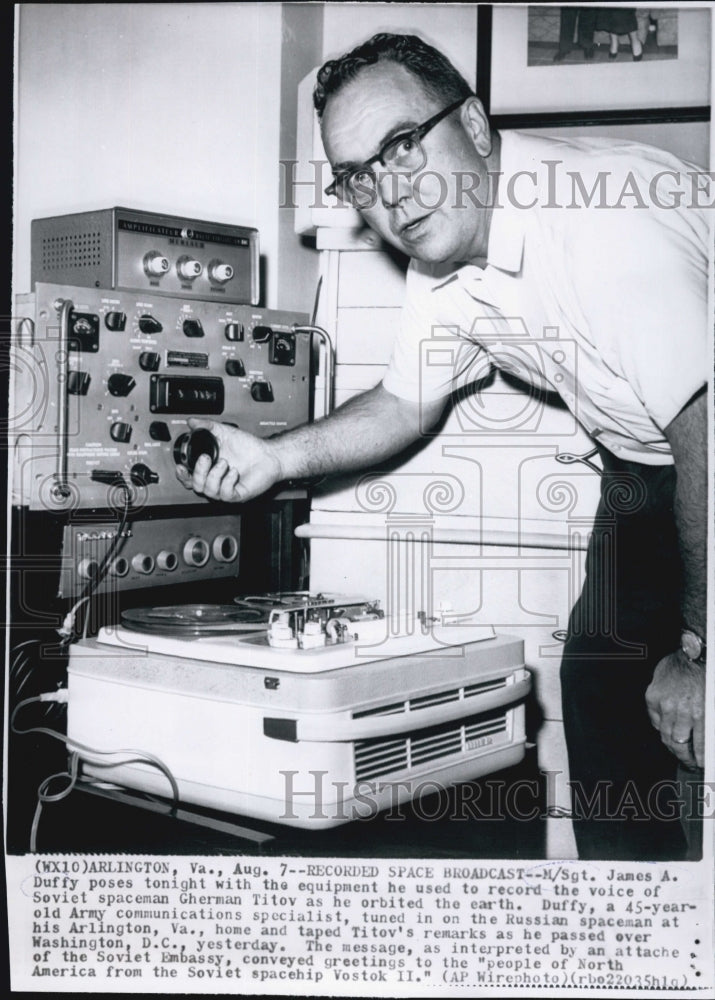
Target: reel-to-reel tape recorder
[305,710]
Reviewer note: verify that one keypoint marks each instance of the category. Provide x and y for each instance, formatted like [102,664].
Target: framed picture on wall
[549,65]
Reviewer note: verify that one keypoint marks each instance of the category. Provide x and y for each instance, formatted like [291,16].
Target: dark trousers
[586,18]
[623,780]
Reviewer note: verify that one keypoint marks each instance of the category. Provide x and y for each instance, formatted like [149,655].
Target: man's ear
[476,124]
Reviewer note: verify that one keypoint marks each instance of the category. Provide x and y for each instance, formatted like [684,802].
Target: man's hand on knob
[246,467]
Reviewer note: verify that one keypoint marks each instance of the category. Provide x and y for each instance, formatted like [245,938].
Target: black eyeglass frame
[418,133]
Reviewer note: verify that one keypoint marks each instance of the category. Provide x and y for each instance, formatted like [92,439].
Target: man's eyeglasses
[404,152]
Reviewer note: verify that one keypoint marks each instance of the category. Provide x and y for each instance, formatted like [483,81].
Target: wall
[302,46]
[450,27]
[169,107]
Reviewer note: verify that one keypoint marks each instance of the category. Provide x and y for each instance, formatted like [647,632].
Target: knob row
[196,552]
[156,265]
[117,322]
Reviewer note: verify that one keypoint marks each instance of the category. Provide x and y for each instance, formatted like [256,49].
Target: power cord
[130,756]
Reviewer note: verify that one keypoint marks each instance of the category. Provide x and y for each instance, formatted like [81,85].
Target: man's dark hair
[436,73]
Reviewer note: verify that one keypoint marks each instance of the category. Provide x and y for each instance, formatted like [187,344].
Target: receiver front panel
[138,366]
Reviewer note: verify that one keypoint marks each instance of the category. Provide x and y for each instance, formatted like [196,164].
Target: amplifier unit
[121,248]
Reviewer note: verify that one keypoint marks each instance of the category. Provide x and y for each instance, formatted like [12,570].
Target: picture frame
[516,95]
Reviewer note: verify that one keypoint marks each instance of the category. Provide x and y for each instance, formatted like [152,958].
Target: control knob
[149,324]
[156,264]
[192,328]
[120,432]
[234,331]
[188,447]
[115,320]
[120,384]
[219,272]
[142,475]
[149,361]
[188,268]
[262,392]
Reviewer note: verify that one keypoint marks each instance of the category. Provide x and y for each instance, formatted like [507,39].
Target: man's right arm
[367,429]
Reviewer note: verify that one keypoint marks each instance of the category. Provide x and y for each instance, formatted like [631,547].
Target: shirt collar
[506,232]
[505,250]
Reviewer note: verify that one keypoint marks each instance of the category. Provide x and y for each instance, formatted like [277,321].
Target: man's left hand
[676,704]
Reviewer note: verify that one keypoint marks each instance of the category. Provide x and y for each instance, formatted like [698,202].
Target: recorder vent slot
[475,689]
[437,698]
[377,757]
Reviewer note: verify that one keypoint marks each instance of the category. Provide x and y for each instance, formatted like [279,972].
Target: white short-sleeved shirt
[595,286]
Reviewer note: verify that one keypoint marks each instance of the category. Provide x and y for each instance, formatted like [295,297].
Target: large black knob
[149,361]
[262,392]
[234,366]
[121,432]
[142,475]
[78,383]
[120,384]
[115,320]
[234,331]
[193,328]
[188,448]
[149,324]
[159,431]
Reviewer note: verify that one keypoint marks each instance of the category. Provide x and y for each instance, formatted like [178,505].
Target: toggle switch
[262,392]
[120,384]
[115,320]
[149,361]
[78,383]
[193,328]
[120,432]
[149,324]
[234,366]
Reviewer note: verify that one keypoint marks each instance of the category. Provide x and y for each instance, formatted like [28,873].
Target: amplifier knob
[149,361]
[87,569]
[196,552]
[262,392]
[115,320]
[188,269]
[261,334]
[142,563]
[219,272]
[119,567]
[120,432]
[234,366]
[156,264]
[148,324]
[225,548]
[167,561]
[120,384]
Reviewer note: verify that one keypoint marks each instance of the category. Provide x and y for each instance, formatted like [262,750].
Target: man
[513,225]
